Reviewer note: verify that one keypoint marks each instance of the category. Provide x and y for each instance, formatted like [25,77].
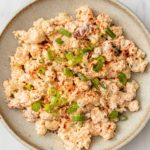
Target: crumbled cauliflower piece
[76,137]
[52,125]
[30,115]
[97,115]
[103,21]
[133,105]
[40,127]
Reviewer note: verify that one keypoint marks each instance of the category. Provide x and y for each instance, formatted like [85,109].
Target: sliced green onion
[78,118]
[99,64]
[52,91]
[81,76]
[122,78]
[41,70]
[36,106]
[29,86]
[68,72]
[113,115]
[78,59]
[48,108]
[41,61]
[95,82]
[55,101]
[85,50]
[69,56]
[59,41]
[110,33]
[103,85]
[123,117]
[49,54]
[63,101]
[65,32]
[73,107]
[59,59]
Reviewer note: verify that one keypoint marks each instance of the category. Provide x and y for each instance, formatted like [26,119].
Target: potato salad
[72,76]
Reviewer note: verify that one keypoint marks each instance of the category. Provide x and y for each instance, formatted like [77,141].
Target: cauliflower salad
[72,76]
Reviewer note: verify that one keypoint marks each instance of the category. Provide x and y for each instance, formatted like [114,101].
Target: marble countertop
[8,8]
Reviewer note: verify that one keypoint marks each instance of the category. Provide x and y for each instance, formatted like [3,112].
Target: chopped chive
[49,54]
[36,106]
[110,33]
[78,118]
[29,86]
[41,70]
[95,83]
[59,41]
[65,32]
[113,115]
[73,107]
[68,72]
[122,78]
[81,76]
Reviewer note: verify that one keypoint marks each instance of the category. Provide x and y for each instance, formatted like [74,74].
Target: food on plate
[72,76]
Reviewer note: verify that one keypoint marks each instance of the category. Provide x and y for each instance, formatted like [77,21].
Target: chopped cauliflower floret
[30,115]
[40,127]
[133,105]
[97,115]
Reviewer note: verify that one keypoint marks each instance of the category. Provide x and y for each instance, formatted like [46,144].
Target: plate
[133,29]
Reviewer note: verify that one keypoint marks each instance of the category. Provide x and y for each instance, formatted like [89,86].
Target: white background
[8,8]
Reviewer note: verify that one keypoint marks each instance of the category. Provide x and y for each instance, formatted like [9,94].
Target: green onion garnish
[85,50]
[49,54]
[36,106]
[99,64]
[59,41]
[55,101]
[69,56]
[59,59]
[41,61]
[81,76]
[103,85]
[122,78]
[41,70]
[52,91]
[78,118]
[123,117]
[48,108]
[113,115]
[110,33]
[65,32]
[29,86]
[73,107]
[68,72]
[63,101]
[95,82]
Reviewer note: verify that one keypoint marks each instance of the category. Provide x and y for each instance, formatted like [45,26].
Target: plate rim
[144,120]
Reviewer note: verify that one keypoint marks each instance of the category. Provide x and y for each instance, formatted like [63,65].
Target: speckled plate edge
[145,119]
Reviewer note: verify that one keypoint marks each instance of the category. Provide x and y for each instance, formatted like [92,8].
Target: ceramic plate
[134,30]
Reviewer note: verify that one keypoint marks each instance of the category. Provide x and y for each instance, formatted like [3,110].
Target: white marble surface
[8,9]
